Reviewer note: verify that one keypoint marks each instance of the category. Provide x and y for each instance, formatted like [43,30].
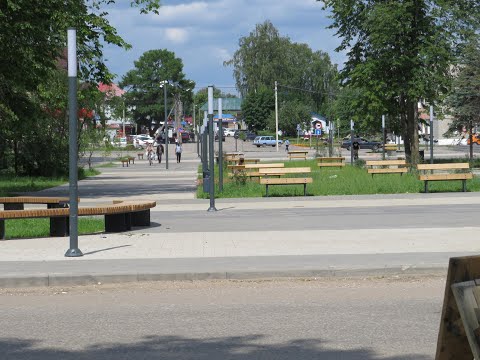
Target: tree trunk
[409,117]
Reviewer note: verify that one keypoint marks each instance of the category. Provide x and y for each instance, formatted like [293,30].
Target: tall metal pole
[73,251]
[220,145]
[205,142]
[431,134]
[166,122]
[211,151]
[276,116]
[351,141]
[384,136]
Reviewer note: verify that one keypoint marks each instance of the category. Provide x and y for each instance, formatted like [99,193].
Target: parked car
[229,132]
[119,142]
[250,136]
[364,143]
[266,141]
[141,141]
[216,136]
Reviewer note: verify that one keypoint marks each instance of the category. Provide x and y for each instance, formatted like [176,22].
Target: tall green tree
[401,51]
[145,85]
[257,108]
[32,48]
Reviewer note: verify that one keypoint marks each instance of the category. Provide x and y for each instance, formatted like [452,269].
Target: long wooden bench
[445,172]
[386,167]
[267,180]
[331,162]
[255,166]
[119,216]
[297,154]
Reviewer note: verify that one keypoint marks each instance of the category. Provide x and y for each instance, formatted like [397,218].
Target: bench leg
[266,190]
[2,229]
[13,206]
[426,186]
[141,218]
[59,226]
[304,189]
[464,185]
[116,223]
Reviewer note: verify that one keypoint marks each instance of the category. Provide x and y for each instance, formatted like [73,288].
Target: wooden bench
[119,216]
[448,171]
[18,202]
[125,161]
[242,161]
[140,156]
[386,167]
[391,149]
[330,162]
[267,172]
[131,159]
[297,154]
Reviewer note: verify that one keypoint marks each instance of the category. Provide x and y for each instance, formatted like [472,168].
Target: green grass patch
[34,228]
[106,165]
[350,180]
[11,185]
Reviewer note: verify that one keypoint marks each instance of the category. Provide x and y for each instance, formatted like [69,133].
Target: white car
[141,141]
[119,142]
[266,141]
[229,132]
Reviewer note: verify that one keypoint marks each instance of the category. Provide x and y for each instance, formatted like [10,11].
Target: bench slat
[434,177]
[386,171]
[285,181]
[261,166]
[331,164]
[294,170]
[449,166]
[385,162]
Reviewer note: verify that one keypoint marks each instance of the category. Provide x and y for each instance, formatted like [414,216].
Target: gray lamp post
[211,150]
[73,251]
[165,126]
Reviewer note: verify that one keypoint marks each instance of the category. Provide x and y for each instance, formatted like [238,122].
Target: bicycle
[150,157]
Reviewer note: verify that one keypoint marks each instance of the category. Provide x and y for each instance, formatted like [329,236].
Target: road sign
[318,131]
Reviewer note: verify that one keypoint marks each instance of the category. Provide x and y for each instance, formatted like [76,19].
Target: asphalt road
[297,218]
[291,319]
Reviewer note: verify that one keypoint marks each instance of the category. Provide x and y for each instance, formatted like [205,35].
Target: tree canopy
[400,52]
[145,83]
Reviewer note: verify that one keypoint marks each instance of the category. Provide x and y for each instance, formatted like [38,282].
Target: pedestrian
[160,150]
[287,144]
[178,151]
[356,147]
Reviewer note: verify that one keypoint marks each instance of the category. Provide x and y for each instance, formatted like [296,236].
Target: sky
[206,33]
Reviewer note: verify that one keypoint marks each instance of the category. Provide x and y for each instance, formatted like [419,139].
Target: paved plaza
[247,238]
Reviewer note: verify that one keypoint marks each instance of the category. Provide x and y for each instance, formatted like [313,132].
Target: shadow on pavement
[176,347]
[106,249]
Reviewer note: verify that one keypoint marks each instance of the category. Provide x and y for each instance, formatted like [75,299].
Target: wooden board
[449,166]
[452,339]
[385,162]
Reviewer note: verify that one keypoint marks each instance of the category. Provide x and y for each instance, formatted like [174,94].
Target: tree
[464,99]
[145,83]
[400,52]
[290,114]
[32,50]
[257,107]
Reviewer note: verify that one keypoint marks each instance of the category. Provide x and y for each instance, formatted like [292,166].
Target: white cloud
[176,35]
[205,33]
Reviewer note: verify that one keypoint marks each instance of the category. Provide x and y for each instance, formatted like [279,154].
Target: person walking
[356,147]
[178,151]
[159,153]
[287,144]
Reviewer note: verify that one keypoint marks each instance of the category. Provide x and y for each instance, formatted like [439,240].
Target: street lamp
[165,125]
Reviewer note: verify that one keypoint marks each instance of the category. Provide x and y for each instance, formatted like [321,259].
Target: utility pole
[211,150]
[276,115]
[351,141]
[384,136]
[431,134]
[220,145]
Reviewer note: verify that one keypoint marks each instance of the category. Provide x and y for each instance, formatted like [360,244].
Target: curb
[47,280]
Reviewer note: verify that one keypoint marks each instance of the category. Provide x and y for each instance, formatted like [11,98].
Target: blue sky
[206,33]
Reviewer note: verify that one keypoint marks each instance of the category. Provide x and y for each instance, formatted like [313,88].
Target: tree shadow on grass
[177,347]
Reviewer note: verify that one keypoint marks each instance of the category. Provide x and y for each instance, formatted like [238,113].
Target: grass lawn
[350,180]
[11,185]
[33,228]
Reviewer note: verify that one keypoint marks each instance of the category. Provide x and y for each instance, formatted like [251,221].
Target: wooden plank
[285,181]
[385,162]
[449,166]
[435,177]
[263,165]
[387,171]
[294,170]
[331,164]
[452,340]
[323,159]
[298,152]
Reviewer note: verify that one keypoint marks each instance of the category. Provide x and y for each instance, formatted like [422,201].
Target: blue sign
[318,131]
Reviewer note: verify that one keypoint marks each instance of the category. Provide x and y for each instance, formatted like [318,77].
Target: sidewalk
[245,238]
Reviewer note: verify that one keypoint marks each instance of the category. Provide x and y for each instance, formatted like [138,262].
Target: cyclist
[150,152]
